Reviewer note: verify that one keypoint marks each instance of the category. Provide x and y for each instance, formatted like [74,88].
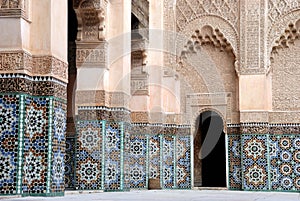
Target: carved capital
[91,20]
[13,8]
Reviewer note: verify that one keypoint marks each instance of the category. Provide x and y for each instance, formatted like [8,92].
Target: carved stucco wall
[280,14]
[285,78]
[189,10]
[222,17]
[201,88]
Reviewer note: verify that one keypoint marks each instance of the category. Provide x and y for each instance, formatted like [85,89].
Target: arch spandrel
[216,22]
[279,26]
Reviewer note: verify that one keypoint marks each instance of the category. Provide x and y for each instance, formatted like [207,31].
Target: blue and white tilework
[113,157]
[183,169]
[88,155]
[168,162]
[285,162]
[255,162]
[234,157]
[9,137]
[138,161]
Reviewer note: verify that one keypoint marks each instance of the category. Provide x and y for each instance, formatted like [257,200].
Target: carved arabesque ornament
[207,36]
[279,26]
[285,70]
[278,8]
[91,20]
[291,33]
[11,3]
[14,8]
[188,10]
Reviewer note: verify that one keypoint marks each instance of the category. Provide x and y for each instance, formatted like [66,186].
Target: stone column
[33,96]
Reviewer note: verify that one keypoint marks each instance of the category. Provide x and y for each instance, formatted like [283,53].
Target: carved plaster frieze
[139,117]
[14,8]
[21,61]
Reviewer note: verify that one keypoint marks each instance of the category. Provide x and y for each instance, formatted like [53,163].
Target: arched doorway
[209,151]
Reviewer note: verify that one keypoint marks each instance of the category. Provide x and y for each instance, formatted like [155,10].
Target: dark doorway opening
[210,151]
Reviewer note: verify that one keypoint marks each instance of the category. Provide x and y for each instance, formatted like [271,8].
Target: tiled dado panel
[255,162]
[100,156]
[284,151]
[169,159]
[32,145]
[183,165]
[70,163]
[264,162]
[234,157]
[44,146]
[114,157]
[106,159]
[138,158]
[11,140]
[89,152]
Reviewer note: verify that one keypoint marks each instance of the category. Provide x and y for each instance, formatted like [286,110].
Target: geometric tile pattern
[183,168]
[154,157]
[138,161]
[255,162]
[168,162]
[70,163]
[144,158]
[284,162]
[234,157]
[267,161]
[35,159]
[114,147]
[89,155]
[58,146]
[9,138]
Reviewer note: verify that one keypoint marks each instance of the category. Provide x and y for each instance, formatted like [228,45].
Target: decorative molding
[254,128]
[102,98]
[264,128]
[87,113]
[160,129]
[139,117]
[92,98]
[281,129]
[35,86]
[14,8]
[91,54]
[23,62]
